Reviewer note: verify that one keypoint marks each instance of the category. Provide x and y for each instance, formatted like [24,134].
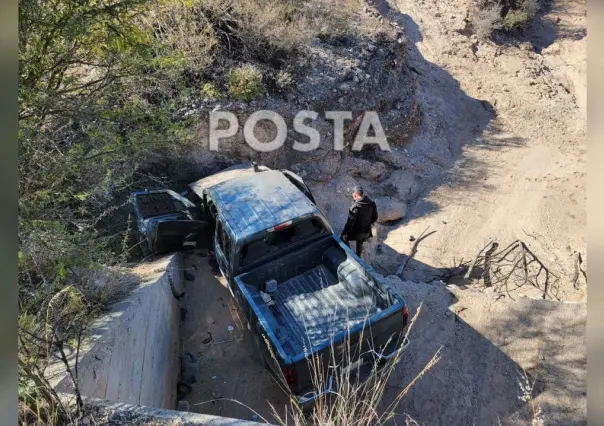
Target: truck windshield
[275,241]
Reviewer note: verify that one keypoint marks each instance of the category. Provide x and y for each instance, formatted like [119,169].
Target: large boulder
[390,209]
[403,183]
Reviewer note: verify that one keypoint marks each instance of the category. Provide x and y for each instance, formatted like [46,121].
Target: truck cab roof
[254,203]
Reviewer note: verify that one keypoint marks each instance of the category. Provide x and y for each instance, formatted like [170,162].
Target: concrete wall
[103,412]
[133,356]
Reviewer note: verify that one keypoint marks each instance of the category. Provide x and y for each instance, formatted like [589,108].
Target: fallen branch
[487,264]
[509,268]
[578,262]
[423,236]
[475,260]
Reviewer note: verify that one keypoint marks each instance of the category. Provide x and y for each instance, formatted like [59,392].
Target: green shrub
[515,19]
[210,89]
[245,82]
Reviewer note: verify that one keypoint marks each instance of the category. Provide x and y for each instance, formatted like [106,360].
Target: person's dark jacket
[362,214]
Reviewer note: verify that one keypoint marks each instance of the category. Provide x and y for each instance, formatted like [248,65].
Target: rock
[404,183]
[345,87]
[182,406]
[392,281]
[371,170]
[188,276]
[116,416]
[321,165]
[390,209]
[86,421]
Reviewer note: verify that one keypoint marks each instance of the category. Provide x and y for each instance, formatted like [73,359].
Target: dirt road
[520,162]
[513,117]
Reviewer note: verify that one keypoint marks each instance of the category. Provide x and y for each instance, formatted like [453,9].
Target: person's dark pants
[360,238]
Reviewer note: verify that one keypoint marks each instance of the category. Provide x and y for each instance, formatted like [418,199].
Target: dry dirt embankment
[515,170]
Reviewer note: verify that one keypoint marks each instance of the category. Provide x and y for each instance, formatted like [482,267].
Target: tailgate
[377,339]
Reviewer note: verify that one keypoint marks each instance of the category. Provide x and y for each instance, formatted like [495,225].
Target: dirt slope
[486,343]
[503,141]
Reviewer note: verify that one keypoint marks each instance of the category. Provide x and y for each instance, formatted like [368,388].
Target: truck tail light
[280,227]
[290,376]
[405,316]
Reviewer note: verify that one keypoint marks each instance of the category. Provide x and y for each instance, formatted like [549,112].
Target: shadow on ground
[485,339]
[484,342]
[231,379]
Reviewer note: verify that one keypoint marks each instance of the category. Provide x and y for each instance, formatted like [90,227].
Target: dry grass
[353,401]
[487,16]
[104,285]
[245,82]
[526,388]
[485,21]
[210,37]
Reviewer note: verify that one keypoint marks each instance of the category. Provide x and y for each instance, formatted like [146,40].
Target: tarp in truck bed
[311,308]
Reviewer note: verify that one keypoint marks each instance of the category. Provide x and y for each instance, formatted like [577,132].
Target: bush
[515,19]
[245,82]
[490,15]
[284,80]
[211,90]
[485,21]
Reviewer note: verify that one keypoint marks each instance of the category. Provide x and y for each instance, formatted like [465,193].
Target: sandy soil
[520,172]
[487,342]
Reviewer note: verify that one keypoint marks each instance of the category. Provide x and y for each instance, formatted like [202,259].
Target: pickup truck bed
[313,306]
[327,294]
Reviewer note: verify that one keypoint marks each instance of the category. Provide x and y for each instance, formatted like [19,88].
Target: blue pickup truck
[302,290]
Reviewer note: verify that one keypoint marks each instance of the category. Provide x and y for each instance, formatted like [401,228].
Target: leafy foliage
[245,82]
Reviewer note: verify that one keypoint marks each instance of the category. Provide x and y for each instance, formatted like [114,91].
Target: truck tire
[144,247]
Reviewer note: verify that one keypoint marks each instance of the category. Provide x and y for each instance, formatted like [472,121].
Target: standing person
[362,214]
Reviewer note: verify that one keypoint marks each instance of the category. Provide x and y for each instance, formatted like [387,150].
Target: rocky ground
[514,169]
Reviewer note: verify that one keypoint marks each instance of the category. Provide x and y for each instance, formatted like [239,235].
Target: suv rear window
[278,240]
[158,203]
